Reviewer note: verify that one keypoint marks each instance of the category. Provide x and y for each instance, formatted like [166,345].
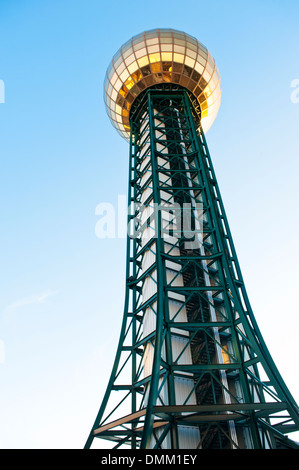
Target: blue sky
[62,288]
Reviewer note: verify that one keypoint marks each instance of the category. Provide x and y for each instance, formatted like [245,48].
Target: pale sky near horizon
[62,288]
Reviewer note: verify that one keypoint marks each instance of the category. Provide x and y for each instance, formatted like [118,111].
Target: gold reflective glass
[132,67]
[159,56]
[154,58]
[166,56]
[143,61]
[156,67]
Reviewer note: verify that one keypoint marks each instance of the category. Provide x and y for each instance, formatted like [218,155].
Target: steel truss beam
[191,362]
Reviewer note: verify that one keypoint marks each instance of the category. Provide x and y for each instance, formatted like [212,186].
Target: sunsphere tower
[191,369]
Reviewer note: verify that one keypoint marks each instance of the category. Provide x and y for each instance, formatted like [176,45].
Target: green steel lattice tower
[191,369]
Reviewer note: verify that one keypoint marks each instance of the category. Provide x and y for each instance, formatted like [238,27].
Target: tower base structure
[192,370]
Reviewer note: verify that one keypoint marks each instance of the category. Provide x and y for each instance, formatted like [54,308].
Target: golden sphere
[161,56]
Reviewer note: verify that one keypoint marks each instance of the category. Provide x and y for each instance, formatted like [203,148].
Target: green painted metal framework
[233,394]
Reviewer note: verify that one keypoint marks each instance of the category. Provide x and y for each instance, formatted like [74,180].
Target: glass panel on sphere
[192,85]
[126,45]
[113,78]
[192,47]
[210,100]
[130,59]
[151,34]
[114,94]
[129,83]
[118,84]
[127,53]
[153,49]
[209,68]
[178,58]
[179,36]
[166,56]
[166,47]
[179,49]
[108,111]
[109,71]
[192,40]
[112,106]
[146,70]
[201,98]
[197,91]
[120,100]
[118,62]
[213,82]
[217,92]
[123,91]
[136,75]
[191,53]
[121,68]
[206,75]
[189,62]
[167,66]
[126,105]
[199,68]
[211,60]
[139,45]
[167,76]
[156,67]
[187,71]
[217,105]
[154,58]
[141,53]
[132,67]
[201,60]
[130,98]
[166,40]
[203,54]
[165,32]
[134,90]
[195,75]
[109,89]
[151,42]
[177,67]
[211,110]
[216,71]
[124,75]
[143,61]
[138,38]
[176,77]
[184,81]
[202,47]
[207,91]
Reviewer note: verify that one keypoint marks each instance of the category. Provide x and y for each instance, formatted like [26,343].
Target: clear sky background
[62,288]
